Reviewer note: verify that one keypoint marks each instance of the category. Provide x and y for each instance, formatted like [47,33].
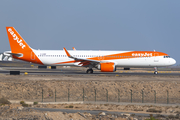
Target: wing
[81,61]
[74,49]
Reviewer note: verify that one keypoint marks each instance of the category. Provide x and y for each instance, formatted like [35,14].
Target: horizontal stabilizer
[15,54]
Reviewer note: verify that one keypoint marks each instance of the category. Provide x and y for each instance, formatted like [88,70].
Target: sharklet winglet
[67,53]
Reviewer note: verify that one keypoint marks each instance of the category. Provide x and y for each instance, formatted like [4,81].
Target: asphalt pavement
[74,71]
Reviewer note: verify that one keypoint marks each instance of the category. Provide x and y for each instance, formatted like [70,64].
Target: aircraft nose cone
[173,61]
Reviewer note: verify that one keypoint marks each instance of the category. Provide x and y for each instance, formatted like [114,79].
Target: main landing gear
[155,71]
[89,71]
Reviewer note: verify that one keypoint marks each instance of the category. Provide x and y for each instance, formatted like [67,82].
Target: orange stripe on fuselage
[126,55]
[129,55]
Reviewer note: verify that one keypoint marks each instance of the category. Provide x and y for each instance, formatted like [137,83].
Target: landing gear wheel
[89,71]
[155,72]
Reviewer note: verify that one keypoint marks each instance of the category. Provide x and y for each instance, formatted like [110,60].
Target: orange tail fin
[17,43]
[19,46]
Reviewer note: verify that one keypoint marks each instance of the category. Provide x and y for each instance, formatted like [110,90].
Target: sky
[141,25]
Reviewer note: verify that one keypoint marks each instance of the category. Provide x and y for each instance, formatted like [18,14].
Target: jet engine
[107,67]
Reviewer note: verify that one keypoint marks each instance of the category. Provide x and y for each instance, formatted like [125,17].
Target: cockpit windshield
[166,56]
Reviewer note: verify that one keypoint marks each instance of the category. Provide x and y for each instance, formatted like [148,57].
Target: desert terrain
[110,89]
[145,94]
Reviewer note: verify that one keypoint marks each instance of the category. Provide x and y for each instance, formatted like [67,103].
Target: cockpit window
[166,56]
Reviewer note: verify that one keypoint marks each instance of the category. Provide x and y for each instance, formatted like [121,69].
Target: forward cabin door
[156,57]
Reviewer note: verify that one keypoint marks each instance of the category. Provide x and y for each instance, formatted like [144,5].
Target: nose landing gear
[155,71]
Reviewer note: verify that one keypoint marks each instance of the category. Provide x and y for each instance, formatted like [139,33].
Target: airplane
[105,61]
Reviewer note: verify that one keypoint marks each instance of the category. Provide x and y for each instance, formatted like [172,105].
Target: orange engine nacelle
[107,67]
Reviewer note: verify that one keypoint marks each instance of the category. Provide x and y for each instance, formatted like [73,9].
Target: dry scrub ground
[17,112]
[29,88]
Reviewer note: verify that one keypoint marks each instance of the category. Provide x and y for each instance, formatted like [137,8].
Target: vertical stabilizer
[17,43]
[19,48]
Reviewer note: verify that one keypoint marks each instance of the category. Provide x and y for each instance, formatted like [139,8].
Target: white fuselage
[59,57]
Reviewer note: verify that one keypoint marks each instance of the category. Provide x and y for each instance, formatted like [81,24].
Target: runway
[79,71]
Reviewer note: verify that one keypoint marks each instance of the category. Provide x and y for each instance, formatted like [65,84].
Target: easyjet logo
[15,37]
[142,54]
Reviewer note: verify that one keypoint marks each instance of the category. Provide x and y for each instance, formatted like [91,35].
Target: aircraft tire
[89,71]
[155,72]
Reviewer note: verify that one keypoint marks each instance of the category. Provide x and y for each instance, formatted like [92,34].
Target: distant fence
[97,95]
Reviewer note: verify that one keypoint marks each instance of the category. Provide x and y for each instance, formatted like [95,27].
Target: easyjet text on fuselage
[142,54]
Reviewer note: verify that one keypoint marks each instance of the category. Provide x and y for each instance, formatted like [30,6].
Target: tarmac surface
[79,71]
[32,69]
[93,112]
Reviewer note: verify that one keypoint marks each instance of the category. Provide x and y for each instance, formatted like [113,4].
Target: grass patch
[4,101]
[23,104]
[152,118]
[154,110]
[106,104]
[35,103]
[70,106]
[138,109]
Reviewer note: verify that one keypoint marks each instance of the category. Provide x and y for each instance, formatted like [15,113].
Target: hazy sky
[94,24]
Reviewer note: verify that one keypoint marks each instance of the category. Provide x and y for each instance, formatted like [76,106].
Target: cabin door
[156,57]
[32,56]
